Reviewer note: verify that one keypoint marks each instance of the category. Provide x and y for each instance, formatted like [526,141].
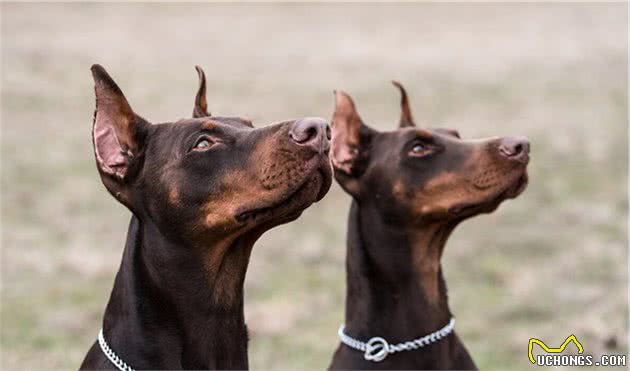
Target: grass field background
[551,263]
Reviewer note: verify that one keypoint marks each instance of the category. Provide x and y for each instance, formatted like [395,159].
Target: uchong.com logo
[554,356]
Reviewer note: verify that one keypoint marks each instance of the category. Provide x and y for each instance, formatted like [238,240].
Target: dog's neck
[172,306]
[395,287]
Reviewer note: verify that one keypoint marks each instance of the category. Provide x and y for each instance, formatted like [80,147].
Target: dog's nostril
[518,149]
[311,131]
[303,135]
[514,147]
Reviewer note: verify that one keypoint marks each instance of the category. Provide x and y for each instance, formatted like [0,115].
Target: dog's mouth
[313,188]
[513,190]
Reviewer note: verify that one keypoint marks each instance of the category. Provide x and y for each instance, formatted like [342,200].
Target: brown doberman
[410,188]
[201,192]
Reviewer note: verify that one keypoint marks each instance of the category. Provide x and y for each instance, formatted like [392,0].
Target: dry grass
[551,263]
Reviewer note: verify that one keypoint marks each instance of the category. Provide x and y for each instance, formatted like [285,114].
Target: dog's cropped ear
[406,119]
[201,105]
[118,134]
[350,142]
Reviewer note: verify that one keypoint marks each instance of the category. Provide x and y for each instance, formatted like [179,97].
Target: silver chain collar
[109,353]
[377,349]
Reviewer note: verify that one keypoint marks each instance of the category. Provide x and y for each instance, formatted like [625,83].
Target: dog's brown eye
[419,149]
[202,144]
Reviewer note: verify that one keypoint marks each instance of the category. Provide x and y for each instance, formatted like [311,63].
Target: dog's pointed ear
[350,142]
[201,105]
[118,133]
[406,119]
[346,133]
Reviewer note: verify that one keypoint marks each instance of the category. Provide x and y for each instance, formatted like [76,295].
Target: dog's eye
[202,144]
[419,149]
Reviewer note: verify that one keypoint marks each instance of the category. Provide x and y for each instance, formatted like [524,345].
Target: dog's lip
[512,191]
[249,214]
[520,185]
[325,171]
[322,171]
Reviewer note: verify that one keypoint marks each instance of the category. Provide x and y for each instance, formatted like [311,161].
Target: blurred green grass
[551,263]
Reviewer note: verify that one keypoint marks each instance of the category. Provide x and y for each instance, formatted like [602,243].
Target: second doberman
[410,187]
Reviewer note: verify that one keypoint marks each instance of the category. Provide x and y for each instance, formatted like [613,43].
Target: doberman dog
[201,192]
[410,188]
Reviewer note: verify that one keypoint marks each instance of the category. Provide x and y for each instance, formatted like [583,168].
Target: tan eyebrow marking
[422,133]
[209,125]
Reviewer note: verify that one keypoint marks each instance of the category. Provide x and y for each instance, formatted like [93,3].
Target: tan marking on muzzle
[270,169]
[399,191]
[235,190]
[441,192]
[173,196]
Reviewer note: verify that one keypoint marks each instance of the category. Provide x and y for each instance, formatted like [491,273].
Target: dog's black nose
[312,132]
[515,148]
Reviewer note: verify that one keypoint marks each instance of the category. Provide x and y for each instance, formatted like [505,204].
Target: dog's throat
[427,245]
[394,278]
[151,285]
[226,265]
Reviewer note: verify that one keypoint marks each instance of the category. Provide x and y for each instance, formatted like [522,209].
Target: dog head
[415,175]
[209,177]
